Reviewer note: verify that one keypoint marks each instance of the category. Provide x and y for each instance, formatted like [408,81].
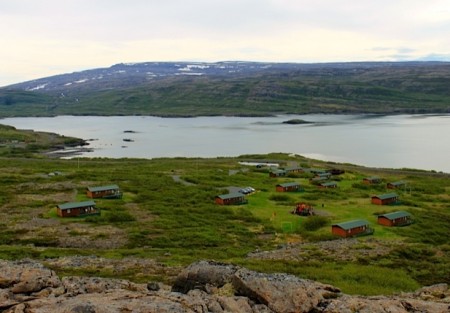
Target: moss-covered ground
[176,221]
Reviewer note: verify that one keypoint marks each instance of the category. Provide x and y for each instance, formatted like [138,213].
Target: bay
[394,141]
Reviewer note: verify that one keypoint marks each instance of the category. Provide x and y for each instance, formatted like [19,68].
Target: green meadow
[168,214]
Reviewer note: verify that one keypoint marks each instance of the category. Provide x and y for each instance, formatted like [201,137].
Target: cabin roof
[373,178]
[293,168]
[352,224]
[73,205]
[395,215]
[386,196]
[278,171]
[231,195]
[316,170]
[103,188]
[398,183]
[327,184]
[290,184]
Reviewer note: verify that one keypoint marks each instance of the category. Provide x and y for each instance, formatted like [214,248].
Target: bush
[313,223]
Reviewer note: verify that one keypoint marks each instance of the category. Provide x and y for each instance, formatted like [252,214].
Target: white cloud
[47,37]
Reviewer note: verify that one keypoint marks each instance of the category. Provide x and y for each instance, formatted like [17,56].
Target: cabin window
[68,211]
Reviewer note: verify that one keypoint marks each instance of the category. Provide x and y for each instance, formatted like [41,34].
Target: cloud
[41,37]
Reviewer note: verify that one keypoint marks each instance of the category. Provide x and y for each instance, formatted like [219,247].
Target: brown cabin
[231,199]
[330,184]
[287,187]
[293,169]
[386,199]
[400,218]
[371,180]
[108,192]
[277,173]
[395,185]
[77,209]
[352,228]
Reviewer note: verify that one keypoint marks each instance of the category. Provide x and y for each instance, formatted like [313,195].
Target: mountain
[235,88]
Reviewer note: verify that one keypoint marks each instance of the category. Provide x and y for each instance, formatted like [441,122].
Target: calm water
[413,141]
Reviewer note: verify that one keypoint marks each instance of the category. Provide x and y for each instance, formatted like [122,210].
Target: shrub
[313,223]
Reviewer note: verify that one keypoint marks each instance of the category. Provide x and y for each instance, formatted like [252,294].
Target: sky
[40,38]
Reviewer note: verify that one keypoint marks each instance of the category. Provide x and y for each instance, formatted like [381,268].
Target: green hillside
[387,89]
[168,213]
[28,143]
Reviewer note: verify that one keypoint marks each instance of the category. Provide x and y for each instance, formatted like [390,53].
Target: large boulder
[281,292]
[205,286]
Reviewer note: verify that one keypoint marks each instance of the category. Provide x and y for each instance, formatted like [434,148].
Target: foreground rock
[27,286]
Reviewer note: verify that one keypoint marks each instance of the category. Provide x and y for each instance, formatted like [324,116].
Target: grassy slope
[177,224]
[15,142]
[418,89]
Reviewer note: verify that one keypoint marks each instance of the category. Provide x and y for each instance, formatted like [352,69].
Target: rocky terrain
[205,286]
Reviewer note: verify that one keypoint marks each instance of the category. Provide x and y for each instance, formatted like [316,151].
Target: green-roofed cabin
[399,218]
[330,184]
[396,184]
[231,199]
[371,180]
[293,169]
[352,229]
[77,209]
[277,173]
[385,199]
[108,192]
[287,187]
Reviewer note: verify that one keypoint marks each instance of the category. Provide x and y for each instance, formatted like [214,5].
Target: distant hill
[235,88]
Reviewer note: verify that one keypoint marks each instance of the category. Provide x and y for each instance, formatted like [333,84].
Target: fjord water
[395,141]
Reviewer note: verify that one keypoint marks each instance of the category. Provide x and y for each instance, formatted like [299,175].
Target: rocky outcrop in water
[27,286]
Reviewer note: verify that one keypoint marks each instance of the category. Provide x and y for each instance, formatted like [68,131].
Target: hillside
[168,217]
[235,88]
[29,143]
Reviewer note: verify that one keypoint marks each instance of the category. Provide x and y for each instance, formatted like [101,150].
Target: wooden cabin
[395,185]
[329,184]
[373,180]
[316,171]
[231,199]
[77,209]
[385,199]
[325,175]
[293,169]
[336,171]
[399,218]
[316,180]
[108,192]
[352,228]
[288,187]
[277,173]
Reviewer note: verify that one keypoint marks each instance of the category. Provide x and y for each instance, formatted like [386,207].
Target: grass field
[178,222]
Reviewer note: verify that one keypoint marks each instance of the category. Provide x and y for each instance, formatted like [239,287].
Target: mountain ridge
[235,88]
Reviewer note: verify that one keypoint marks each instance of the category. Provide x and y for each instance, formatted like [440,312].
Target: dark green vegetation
[175,223]
[23,143]
[382,88]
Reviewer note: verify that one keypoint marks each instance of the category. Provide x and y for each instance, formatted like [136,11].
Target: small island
[297,121]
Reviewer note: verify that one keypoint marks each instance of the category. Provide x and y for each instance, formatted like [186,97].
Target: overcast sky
[40,38]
